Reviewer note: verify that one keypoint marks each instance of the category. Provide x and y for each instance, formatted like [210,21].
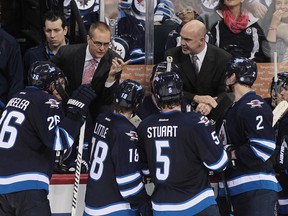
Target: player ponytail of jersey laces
[129,94]
[42,73]
[168,87]
[244,69]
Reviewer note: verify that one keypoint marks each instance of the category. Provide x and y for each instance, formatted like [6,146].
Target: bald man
[205,81]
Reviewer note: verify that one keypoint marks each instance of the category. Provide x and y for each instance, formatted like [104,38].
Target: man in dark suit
[74,60]
[203,80]
[93,63]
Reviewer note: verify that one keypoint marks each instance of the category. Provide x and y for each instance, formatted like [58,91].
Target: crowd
[202,117]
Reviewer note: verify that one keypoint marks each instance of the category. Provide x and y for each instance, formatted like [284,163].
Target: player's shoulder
[116,122]
[251,101]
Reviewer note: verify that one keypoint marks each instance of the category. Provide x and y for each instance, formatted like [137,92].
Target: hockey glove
[80,100]
[282,154]
[229,148]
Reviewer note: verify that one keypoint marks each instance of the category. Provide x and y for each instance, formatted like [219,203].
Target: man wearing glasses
[92,63]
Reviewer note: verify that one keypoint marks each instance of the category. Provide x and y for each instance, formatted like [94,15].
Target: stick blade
[279,111]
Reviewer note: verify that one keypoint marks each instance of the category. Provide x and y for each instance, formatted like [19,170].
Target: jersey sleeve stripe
[220,163]
[270,145]
[128,179]
[146,171]
[58,143]
[132,191]
[260,154]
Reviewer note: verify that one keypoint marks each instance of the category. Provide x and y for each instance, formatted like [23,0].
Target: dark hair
[53,16]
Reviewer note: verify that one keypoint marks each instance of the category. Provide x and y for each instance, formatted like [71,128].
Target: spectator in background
[275,25]
[55,30]
[238,31]
[203,77]
[11,68]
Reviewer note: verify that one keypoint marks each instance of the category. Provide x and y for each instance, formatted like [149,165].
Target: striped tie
[89,71]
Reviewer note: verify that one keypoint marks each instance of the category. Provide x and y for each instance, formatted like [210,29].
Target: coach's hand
[80,100]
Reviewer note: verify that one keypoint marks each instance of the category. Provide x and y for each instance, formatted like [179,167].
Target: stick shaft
[78,169]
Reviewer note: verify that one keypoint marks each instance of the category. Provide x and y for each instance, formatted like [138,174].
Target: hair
[101,26]
[222,5]
[120,109]
[53,15]
[168,104]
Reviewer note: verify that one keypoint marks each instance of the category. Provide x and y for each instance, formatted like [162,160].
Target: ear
[52,86]
[233,77]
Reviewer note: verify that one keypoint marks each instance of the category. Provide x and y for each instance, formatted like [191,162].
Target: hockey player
[114,186]
[149,106]
[249,138]
[179,149]
[32,126]
[281,152]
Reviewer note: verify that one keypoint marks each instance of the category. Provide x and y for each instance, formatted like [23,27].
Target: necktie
[195,64]
[89,72]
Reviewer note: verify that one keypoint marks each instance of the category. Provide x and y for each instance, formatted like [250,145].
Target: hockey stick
[78,169]
[279,111]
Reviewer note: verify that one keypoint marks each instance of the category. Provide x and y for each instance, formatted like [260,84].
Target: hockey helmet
[167,87]
[129,94]
[162,67]
[42,73]
[282,81]
[244,69]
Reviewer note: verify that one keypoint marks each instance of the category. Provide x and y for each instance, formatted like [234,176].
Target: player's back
[114,159]
[179,148]
[22,148]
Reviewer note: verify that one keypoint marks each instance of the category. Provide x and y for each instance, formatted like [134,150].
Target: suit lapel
[79,60]
[188,69]
[206,66]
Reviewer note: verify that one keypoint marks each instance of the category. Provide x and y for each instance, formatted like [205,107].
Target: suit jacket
[211,78]
[71,59]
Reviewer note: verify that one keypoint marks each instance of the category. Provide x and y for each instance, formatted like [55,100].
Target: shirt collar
[202,54]
[89,57]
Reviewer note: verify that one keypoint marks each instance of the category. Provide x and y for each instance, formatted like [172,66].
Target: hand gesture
[116,68]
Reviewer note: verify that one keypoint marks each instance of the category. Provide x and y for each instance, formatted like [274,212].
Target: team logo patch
[210,4]
[53,103]
[133,135]
[204,120]
[255,103]
[248,31]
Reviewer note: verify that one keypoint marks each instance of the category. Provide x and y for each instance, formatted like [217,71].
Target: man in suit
[74,60]
[93,63]
[203,80]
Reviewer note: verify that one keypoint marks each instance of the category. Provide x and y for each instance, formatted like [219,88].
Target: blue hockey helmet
[245,70]
[167,87]
[42,73]
[129,94]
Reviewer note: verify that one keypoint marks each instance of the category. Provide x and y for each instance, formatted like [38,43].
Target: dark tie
[195,64]
[89,72]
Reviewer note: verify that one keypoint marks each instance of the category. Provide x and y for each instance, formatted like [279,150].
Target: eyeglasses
[183,12]
[100,44]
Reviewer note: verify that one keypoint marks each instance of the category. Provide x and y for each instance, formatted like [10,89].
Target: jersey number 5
[162,173]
